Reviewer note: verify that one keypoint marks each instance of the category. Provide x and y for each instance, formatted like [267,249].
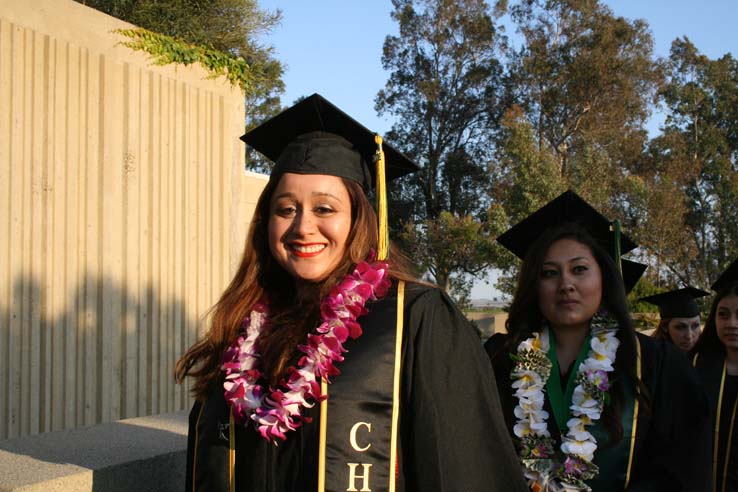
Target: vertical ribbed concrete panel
[123,211]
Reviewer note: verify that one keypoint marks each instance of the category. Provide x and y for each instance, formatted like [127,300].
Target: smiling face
[570,285]
[309,223]
[726,322]
[684,332]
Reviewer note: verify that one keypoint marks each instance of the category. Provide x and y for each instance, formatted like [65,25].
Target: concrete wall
[488,323]
[145,454]
[124,209]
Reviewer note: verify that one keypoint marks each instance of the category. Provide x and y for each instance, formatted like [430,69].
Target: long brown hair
[709,343]
[259,276]
[525,316]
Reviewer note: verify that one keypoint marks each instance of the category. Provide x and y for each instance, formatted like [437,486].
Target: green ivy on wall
[166,49]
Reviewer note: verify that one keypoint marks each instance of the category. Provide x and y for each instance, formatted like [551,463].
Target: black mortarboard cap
[315,137]
[632,273]
[678,303]
[566,208]
[728,276]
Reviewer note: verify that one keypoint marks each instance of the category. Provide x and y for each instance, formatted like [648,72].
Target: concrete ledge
[142,454]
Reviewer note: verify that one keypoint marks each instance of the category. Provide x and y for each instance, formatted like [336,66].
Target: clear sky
[334,47]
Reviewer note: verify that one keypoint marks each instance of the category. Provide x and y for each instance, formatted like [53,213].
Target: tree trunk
[443,280]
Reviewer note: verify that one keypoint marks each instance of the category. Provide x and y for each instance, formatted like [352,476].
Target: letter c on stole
[352,436]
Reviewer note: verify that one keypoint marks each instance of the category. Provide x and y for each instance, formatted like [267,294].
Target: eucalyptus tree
[444,91]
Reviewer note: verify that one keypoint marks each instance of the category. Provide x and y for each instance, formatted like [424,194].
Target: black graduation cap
[566,208]
[678,303]
[728,276]
[632,273]
[315,137]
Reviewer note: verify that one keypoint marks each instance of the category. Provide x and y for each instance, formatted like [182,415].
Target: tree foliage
[578,93]
[444,89]
[585,79]
[660,207]
[166,50]
[453,247]
[565,110]
[234,27]
[696,153]
[527,176]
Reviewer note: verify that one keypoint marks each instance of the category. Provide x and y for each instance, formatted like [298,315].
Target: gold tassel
[615,228]
[383,240]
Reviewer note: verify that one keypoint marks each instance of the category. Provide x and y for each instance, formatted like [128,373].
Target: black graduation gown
[672,443]
[710,370]
[452,435]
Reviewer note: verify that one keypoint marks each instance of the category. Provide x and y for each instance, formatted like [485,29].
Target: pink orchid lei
[277,410]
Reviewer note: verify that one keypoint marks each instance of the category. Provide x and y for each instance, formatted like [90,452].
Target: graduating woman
[716,360]
[317,300]
[679,314]
[590,404]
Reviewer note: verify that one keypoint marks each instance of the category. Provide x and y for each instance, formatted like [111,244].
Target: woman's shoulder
[708,361]
[419,299]
[495,344]
[655,351]
[661,359]
[649,343]
[429,309]
[412,293]
[418,290]
[660,349]
[417,295]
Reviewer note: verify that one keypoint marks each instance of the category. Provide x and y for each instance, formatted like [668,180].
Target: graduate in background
[716,360]
[411,404]
[589,403]
[680,321]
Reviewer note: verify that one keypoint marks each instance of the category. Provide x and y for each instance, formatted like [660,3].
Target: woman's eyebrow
[324,193]
[551,262]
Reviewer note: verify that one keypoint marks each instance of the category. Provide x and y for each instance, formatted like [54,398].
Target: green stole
[560,399]
[611,460]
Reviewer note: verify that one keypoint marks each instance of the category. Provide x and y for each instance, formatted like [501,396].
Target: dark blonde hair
[662,330]
[259,276]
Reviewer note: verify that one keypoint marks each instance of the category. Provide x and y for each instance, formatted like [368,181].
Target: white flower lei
[536,448]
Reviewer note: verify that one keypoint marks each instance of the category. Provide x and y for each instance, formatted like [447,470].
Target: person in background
[679,314]
[590,403]
[716,361]
[327,366]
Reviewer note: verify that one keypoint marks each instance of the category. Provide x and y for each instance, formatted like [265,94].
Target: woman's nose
[566,282]
[303,224]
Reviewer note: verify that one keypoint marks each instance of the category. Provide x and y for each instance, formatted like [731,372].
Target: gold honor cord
[717,427]
[323,433]
[727,447]
[634,427]
[396,390]
[231,453]
[197,437]
[383,239]
[717,424]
